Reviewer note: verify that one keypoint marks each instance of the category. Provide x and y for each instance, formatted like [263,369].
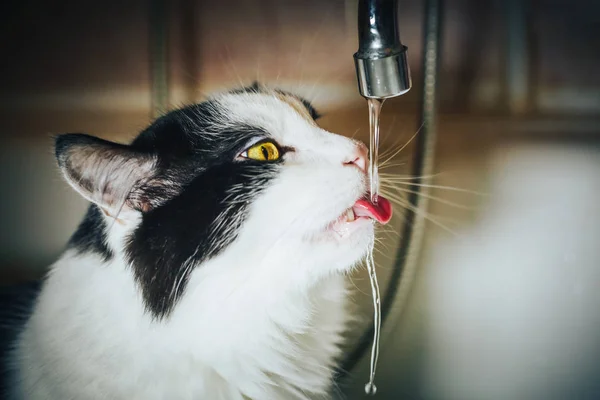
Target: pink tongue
[380,211]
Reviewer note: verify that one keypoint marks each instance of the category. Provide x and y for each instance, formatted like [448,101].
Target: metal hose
[413,230]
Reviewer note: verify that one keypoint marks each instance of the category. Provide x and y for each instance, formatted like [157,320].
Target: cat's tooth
[350,215]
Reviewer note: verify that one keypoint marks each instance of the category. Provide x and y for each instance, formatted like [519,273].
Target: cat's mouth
[380,211]
[364,210]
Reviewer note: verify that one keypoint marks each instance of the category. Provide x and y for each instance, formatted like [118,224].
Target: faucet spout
[381,63]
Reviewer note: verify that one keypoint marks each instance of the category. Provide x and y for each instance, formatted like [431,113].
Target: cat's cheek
[342,253]
[357,247]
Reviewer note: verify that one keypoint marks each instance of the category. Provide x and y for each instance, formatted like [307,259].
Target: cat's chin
[348,228]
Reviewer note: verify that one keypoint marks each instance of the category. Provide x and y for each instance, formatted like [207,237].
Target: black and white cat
[211,262]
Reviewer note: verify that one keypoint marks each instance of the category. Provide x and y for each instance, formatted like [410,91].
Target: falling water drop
[370,387]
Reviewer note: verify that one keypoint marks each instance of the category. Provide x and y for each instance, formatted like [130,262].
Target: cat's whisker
[384,255]
[338,391]
[396,177]
[392,165]
[379,239]
[199,94]
[387,134]
[311,40]
[332,77]
[393,235]
[401,202]
[395,153]
[278,75]
[231,66]
[384,229]
[298,86]
[390,148]
[257,75]
[441,187]
[380,247]
[387,256]
[446,221]
[427,196]
[356,287]
[390,233]
[383,244]
[395,145]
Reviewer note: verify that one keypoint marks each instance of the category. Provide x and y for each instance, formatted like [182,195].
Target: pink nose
[359,157]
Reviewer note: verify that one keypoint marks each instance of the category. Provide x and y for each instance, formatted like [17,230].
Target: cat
[211,262]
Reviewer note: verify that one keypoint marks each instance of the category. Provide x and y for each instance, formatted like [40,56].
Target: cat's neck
[250,330]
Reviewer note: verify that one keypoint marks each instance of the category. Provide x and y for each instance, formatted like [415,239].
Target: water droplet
[376,319]
[370,389]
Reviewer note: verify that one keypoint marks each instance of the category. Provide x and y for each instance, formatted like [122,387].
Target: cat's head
[246,178]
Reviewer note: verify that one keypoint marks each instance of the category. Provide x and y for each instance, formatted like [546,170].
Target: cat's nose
[359,157]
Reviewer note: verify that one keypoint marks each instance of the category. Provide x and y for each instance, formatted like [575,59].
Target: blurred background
[504,301]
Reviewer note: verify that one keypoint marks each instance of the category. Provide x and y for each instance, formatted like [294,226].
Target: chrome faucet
[381,63]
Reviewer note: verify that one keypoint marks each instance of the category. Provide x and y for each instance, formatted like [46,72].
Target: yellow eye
[265,151]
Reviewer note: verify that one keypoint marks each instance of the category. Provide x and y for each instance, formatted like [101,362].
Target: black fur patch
[255,87]
[191,228]
[313,112]
[193,204]
[197,156]
[90,236]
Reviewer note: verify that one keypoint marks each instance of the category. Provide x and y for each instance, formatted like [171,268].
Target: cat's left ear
[104,172]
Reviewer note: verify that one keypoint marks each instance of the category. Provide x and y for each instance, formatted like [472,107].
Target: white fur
[262,320]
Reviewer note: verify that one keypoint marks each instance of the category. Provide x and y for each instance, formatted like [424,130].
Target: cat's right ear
[103,172]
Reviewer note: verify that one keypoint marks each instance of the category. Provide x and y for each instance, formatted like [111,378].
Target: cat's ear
[103,172]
